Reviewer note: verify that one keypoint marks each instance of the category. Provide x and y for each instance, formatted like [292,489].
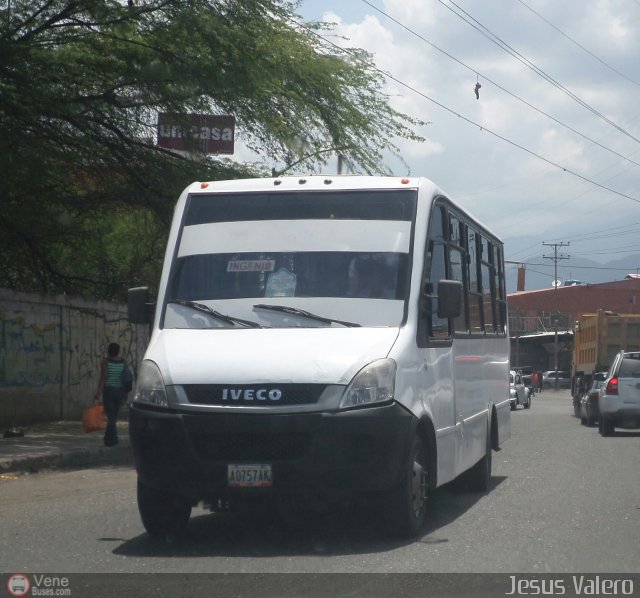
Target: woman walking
[111,388]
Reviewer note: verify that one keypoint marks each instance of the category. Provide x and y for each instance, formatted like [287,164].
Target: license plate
[249,476]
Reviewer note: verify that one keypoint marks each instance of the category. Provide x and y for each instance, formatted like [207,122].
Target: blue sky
[551,149]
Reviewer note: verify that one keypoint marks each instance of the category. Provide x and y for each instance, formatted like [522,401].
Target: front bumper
[336,454]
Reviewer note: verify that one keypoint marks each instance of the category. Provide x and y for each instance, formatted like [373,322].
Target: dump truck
[597,340]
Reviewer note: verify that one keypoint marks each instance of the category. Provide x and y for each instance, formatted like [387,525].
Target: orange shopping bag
[93,418]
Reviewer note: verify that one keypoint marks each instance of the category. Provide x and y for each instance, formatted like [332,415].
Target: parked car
[619,395]
[520,394]
[525,371]
[549,379]
[588,410]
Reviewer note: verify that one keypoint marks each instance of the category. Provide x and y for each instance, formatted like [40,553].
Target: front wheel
[528,403]
[407,512]
[164,515]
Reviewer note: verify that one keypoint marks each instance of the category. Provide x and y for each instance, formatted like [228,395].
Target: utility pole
[556,257]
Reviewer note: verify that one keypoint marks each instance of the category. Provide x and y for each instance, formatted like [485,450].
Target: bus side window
[438,327]
[436,263]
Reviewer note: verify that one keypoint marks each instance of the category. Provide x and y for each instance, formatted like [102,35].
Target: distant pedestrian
[535,382]
[112,390]
[541,379]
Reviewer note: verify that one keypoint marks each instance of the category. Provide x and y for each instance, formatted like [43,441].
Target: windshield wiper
[301,312]
[216,314]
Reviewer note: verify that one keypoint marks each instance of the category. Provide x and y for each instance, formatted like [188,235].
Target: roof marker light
[405,181]
[204,185]
[302,181]
[328,181]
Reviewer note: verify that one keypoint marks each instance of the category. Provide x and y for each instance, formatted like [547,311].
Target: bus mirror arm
[449,298]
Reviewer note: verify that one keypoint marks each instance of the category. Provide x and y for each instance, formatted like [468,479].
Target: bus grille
[251,447]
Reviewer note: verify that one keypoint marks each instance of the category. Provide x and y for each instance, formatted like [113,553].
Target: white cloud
[501,183]
[417,13]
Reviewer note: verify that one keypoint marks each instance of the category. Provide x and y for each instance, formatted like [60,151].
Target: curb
[78,459]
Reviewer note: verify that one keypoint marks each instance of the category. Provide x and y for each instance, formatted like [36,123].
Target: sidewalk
[62,444]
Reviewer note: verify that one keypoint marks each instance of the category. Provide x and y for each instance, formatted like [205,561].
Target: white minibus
[319,340]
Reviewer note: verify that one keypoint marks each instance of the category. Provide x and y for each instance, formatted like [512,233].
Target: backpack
[126,378]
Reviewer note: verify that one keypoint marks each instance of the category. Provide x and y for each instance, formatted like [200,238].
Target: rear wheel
[478,478]
[606,426]
[407,512]
[528,403]
[164,515]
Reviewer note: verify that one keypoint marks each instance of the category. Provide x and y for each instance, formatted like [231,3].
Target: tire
[513,405]
[407,508]
[478,478]
[527,405]
[164,515]
[606,426]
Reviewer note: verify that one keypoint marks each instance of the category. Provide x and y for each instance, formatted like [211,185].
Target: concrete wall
[50,352]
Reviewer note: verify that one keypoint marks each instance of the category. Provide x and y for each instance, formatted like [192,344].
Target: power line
[493,38]
[626,249]
[574,267]
[497,85]
[615,70]
[468,120]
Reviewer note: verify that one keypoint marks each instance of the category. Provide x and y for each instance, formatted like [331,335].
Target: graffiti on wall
[30,354]
[50,353]
[50,345]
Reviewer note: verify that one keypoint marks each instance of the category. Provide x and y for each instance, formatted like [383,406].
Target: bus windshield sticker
[281,284]
[251,265]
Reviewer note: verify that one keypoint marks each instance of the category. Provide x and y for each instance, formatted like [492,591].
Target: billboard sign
[205,133]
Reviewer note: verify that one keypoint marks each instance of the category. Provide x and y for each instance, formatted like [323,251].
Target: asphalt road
[563,500]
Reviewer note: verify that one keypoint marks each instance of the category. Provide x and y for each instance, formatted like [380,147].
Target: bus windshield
[295,246]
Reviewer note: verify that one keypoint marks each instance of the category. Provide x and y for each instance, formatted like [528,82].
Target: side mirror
[449,298]
[140,311]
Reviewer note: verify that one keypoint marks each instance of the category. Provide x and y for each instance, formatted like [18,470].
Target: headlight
[150,387]
[372,384]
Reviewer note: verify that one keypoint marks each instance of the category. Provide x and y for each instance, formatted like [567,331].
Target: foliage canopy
[86,195]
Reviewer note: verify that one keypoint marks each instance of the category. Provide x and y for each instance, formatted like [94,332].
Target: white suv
[520,394]
[619,395]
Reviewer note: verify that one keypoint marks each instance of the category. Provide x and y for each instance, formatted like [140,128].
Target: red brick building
[533,316]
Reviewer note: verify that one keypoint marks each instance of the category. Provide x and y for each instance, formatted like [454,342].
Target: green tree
[85,194]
